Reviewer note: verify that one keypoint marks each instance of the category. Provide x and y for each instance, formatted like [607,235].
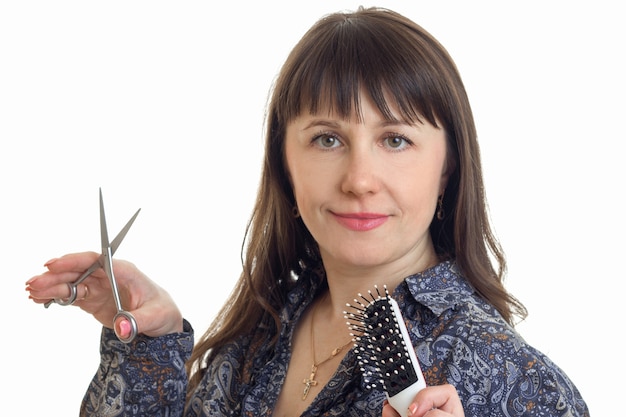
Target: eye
[396,142]
[326,140]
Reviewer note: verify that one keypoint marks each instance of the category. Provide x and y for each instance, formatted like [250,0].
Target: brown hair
[389,57]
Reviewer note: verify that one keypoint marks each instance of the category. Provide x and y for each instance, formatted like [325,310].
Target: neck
[345,283]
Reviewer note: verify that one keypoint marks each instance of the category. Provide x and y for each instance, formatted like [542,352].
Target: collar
[438,288]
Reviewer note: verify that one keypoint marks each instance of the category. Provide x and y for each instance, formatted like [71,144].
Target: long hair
[389,57]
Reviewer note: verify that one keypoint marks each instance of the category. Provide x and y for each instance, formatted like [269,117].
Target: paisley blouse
[458,337]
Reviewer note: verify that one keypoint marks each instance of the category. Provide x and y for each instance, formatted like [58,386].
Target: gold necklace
[310,381]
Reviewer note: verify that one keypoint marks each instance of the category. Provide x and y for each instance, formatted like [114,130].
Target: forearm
[144,378]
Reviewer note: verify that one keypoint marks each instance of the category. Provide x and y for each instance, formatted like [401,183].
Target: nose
[361,174]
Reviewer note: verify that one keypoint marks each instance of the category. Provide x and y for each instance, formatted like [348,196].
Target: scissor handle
[117,326]
[69,300]
[73,286]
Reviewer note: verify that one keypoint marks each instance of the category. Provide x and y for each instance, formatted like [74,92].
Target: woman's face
[367,190]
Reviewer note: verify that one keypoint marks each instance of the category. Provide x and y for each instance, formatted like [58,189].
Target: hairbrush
[383,348]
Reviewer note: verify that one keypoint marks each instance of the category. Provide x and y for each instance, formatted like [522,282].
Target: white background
[161,104]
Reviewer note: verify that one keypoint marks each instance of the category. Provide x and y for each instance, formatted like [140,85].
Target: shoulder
[461,339]
[492,366]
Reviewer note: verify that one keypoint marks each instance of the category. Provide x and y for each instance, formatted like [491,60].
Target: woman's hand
[434,401]
[154,310]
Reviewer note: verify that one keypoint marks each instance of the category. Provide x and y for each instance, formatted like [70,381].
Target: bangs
[344,56]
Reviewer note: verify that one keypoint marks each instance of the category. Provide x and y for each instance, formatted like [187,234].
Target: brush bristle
[380,347]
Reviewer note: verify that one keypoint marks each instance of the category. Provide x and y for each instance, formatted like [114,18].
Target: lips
[361,222]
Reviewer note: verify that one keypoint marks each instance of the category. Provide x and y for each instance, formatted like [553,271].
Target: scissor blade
[114,245]
[122,234]
[104,234]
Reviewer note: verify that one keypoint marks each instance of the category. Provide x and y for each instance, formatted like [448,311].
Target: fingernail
[30,281]
[50,262]
[412,408]
[124,328]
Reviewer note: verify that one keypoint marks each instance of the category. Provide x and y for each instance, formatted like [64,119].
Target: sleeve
[536,386]
[146,377]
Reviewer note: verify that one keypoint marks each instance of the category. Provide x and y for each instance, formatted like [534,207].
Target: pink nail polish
[124,328]
[412,408]
[50,262]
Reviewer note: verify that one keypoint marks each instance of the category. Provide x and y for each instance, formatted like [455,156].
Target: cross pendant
[309,382]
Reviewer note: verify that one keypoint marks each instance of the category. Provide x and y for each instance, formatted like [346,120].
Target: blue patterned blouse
[459,338]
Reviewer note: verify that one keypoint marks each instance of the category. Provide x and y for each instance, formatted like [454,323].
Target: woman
[371,176]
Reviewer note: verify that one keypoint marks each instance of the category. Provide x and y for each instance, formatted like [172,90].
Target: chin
[363,259]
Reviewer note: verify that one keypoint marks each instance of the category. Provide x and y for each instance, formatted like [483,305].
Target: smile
[360,222]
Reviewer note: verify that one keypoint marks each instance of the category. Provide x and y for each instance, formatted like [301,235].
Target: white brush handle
[402,400]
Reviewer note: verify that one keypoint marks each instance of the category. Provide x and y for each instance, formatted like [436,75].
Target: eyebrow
[335,125]
[322,122]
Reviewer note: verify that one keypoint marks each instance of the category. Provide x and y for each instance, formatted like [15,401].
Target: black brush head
[380,347]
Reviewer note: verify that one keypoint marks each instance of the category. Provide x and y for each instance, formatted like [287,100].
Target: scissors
[105,261]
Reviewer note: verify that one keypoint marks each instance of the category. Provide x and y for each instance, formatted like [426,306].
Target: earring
[440,212]
[295,212]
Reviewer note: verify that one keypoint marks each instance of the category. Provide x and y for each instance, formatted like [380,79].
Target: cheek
[289,166]
[305,176]
[307,187]
[419,188]
[299,178]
